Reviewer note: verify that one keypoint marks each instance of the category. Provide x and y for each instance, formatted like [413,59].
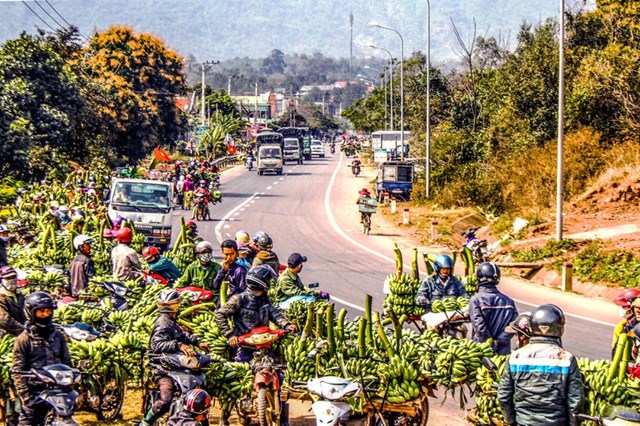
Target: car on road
[317,148]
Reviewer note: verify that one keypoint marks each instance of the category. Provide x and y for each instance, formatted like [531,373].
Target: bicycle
[366,223]
[367,206]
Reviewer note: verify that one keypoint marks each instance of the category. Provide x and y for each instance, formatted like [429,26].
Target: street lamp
[401,82]
[390,83]
[559,178]
[427,174]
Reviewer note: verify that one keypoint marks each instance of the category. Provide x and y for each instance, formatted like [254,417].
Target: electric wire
[39,17]
[49,15]
[66,22]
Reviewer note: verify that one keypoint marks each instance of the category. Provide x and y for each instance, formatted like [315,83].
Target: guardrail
[226,161]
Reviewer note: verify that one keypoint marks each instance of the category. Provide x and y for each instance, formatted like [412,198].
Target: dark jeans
[163,404]
[34,411]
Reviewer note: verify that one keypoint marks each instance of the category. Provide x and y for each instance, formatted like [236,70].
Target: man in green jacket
[202,271]
[289,282]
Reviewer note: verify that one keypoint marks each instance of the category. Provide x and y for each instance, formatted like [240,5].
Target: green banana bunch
[400,379]
[487,410]
[229,382]
[299,366]
[449,304]
[402,299]
[6,359]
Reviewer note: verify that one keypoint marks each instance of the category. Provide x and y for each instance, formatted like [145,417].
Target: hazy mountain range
[223,29]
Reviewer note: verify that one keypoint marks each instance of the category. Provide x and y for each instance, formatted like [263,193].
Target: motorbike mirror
[489,364]
[314,285]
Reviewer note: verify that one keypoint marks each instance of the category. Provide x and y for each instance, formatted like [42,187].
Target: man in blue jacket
[161,265]
[490,310]
[542,384]
[232,271]
[441,284]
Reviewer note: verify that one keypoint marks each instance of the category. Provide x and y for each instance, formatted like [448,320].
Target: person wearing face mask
[441,284]
[202,271]
[39,345]
[12,317]
[167,337]
[81,269]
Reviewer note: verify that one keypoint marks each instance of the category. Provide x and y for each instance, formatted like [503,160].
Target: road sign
[379,155]
[199,130]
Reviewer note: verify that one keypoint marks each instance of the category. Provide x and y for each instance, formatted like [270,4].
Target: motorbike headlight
[63,378]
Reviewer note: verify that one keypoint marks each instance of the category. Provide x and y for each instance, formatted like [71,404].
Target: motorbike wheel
[401,419]
[366,224]
[268,407]
[198,213]
[375,419]
[111,401]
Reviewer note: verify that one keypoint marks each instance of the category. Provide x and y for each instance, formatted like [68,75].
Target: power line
[34,12]
[67,22]
[49,15]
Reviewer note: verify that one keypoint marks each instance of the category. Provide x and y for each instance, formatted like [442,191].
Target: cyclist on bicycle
[364,194]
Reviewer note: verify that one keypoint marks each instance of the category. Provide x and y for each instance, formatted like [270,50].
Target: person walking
[491,311]
[542,384]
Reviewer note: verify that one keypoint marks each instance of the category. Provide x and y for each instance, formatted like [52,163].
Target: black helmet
[37,300]
[547,320]
[197,401]
[265,242]
[488,273]
[260,277]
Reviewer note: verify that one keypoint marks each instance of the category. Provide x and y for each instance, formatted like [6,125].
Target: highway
[311,210]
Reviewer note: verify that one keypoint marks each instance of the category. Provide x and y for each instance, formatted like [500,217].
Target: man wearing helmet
[167,338]
[265,255]
[160,265]
[204,191]
[521,328]
[125,259]
[541,384]
[441,284]
[195,409]
[39,345]
[12,317]
[490,310]
[81,269]
[248,310]
[202,271]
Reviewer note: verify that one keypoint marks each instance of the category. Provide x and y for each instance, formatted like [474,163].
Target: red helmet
[626,297]
[191,224]
[124,235]
[203,182]
[149,252]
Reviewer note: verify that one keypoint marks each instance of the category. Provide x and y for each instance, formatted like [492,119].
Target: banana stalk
[194,308]
[367,312]
[428,263]
[624,362]
[398,254]
[362,345]
[331,338]
[224,288]
[319,324]
[617,357]
[415,271]
[397,329]
[340,325]
[383,336]
[309,323]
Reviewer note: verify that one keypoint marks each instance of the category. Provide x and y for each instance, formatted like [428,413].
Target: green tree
[140,77]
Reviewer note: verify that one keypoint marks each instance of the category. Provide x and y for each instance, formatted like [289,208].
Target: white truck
[270,155]
[292,150]
[147,205]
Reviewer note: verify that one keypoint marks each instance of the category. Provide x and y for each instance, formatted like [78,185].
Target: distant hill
[224,29]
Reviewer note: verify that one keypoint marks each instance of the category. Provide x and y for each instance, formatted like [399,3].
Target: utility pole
[351,47]
[203,112]
[229,87]
[560,171]
[255,106]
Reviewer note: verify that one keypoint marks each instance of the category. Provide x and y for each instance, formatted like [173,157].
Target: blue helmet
[443,261]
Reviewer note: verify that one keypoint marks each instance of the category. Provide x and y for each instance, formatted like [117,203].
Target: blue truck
[396,178]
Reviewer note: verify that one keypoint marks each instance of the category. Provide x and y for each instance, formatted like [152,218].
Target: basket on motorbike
[368,205]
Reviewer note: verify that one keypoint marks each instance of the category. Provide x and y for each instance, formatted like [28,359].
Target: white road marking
[236,213]
[275,183]
[332,220]
[228,216]
[226,227]
[349,304]
[269,187]
[281,178]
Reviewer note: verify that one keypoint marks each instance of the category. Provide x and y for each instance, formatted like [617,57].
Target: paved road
[310,209]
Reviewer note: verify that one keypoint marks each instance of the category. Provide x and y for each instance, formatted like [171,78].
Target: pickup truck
[396,178]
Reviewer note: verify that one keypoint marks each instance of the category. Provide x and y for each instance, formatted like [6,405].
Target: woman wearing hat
[363,193]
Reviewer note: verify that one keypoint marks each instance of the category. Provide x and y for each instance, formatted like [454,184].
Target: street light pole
[560,177]
[428,112]
[391,114]
[255,106]
[401,84]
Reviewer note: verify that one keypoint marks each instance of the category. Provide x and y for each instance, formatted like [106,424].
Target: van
[147,205]
[292,150]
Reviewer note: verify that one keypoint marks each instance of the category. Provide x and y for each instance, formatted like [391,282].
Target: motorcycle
[478,247]
[618,416]
[332,148]
[196,295]
[265,402]
[249,162]
[187,373]
[115,300]
[355,169]
[201,210]
[58,381]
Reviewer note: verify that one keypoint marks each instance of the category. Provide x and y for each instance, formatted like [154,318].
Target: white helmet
[64,209]
[202,246]
[169,301]
[81,240]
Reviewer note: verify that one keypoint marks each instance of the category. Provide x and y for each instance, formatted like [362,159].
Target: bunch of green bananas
[487,410]
[602,392]
[97,355]
[400,379]
[137,242]
[147,301]
[184,256]
[229,382]
[102,260]
[129,348]
[299,366]
[6,359]
[402,299]
[449,304]
[204,327]
[469,282]
[67,314]
[296,313]
[91,316]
